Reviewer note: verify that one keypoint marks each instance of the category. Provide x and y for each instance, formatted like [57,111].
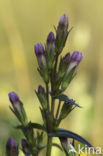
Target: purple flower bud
[74,60]
[66,58]
[40,53]
[50,38]
[41,90]
[76,57]
[16,103]
[39,50]
[50,50]
[14,98]
[63,21]
[25,145]
[11,147]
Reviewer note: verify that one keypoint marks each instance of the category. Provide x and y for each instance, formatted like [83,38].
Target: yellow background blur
[24,23]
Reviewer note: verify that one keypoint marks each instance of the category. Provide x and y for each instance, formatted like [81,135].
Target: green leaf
[31,126]
[69,134]
[36,126]
[65,98]
[20,127]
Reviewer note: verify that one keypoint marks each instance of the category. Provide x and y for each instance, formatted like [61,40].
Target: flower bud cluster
[46,57]
[56,74]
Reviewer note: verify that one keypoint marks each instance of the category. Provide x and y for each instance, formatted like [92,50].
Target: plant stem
[52,87]
[56,62]
[53,77]
[47,94]
[49,146]
[52,105]
[58,109]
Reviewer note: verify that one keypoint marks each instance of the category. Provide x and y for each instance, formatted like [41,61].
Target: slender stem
[47,94]
[56,62]
[52,87]
[53,76]
[49,146]
[58,109]
[49,143]
[52,105]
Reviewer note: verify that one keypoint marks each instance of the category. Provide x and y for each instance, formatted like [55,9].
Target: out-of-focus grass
[25,23]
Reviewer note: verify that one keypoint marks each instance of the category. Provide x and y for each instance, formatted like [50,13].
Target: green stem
[56,62]
[52,105]
[53,77]
[52,88]
[58,109]
[47,94]
[49,146]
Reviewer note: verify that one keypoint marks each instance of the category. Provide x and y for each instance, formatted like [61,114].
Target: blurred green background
[27,22]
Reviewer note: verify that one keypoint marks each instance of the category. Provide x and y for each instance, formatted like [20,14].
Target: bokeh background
[27,22]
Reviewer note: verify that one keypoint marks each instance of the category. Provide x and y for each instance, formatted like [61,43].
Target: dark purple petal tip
[76,57]
[41,90]
[51,38]
[13,97]
[66,58]
[63,21]
[11,144]
[24,144]
[39,49]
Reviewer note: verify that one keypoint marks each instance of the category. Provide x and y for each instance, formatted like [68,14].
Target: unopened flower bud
[64,62]
[41,90]
[41,58]
[39,50]
[66,58]
[50,38]
[63,22]
[61,33]
[76,57]
[25,146]
[14,99]
[42,96]
[40,53]
[74,62]
[11,147]
[18,108]
[50,50]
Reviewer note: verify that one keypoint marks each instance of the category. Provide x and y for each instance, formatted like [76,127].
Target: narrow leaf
[36,126]
[65,98]
[66,133]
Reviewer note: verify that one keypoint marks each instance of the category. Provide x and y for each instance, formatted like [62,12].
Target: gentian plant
[57,72]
